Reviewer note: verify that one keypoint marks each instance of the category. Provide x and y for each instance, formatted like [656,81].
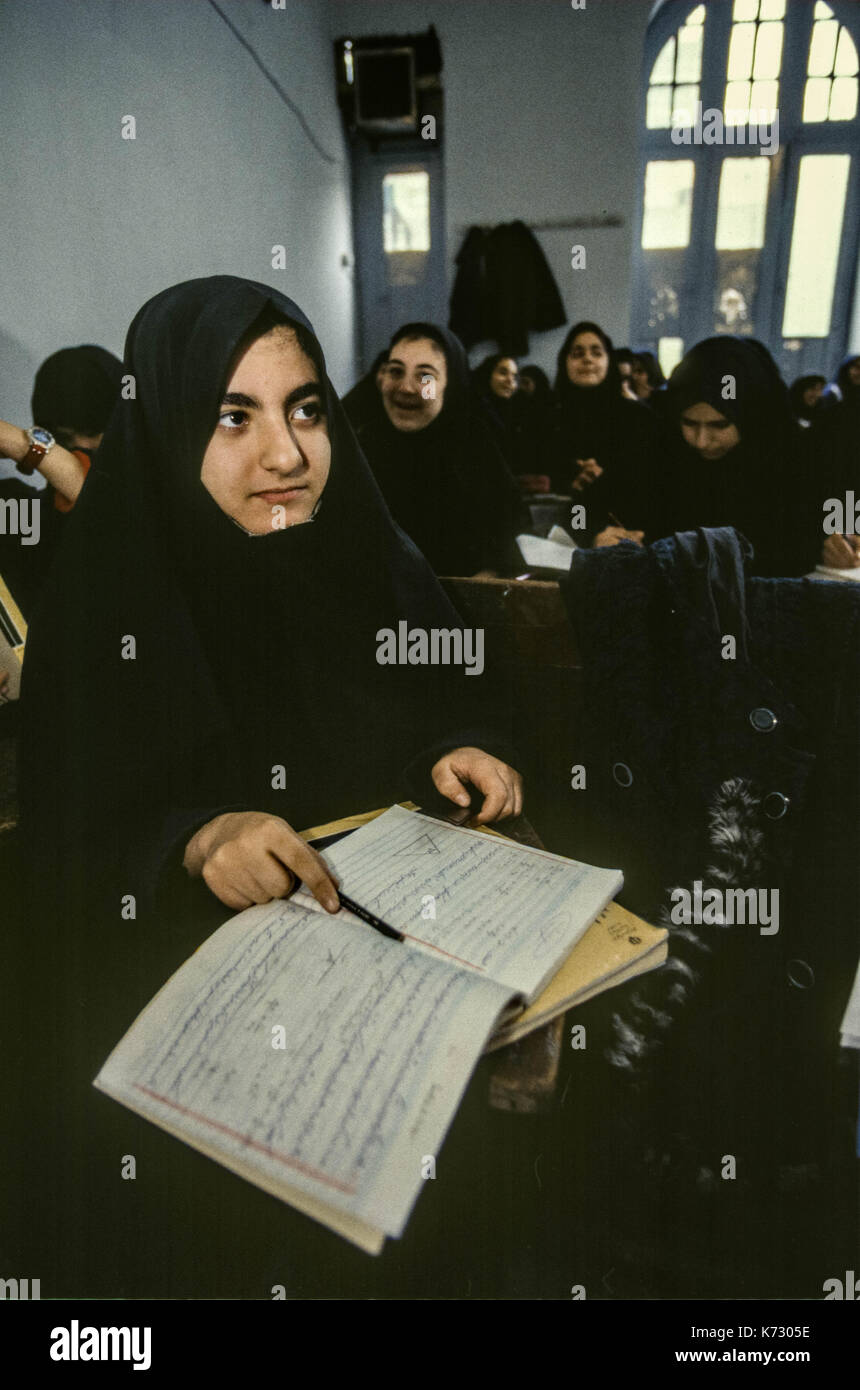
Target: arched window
[749,180]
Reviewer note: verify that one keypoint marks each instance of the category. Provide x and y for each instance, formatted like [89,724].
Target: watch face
[40,436]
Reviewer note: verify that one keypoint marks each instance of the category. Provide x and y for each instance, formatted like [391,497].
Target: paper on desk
[541,553]
[378,1045]
[509,911]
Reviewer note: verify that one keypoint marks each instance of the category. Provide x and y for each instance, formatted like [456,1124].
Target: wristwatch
[40,442]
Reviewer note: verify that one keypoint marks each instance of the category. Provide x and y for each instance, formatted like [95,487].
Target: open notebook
[323,1061]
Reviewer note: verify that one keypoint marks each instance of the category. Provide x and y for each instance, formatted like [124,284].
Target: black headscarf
[251,652]
[77,387]
[447,484]
[759,486]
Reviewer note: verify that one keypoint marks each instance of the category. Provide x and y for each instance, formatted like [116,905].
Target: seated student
[434,457]
[74,392]
[625,361]
[601,448]
[226,625]
[737,456]
[534,382]
[835,441]
[804,395]
[209,635]
[73,395]
[647,376]
[514,417]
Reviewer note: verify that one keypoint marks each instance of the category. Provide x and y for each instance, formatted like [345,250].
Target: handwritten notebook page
[509,912]
[379,1044]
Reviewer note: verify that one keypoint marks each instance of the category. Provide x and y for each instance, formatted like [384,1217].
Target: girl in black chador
[435,457]
[602,448]
[213,618]
[738,458]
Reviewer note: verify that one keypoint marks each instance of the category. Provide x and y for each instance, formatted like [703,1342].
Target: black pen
[368,917]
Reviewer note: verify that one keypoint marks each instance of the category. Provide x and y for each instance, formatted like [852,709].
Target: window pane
[664,67]
[772,9]
[658,108]
[742,204]
[669,353]
[737,103]
[406,211]
[744,9]
[846,55]
[668,203]
[763,101]
[768,51]
[741,47]
[816,99]
[689,66]
[696,16]
[815,240]
[843,99]
[684,106]
[822,11]
[822,48]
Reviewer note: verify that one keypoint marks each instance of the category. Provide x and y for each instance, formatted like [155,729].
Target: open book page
[508,911]
[617,947]
[828,573]
[313,1052]
[542,553]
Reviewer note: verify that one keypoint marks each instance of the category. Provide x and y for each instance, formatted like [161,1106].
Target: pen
[368,917]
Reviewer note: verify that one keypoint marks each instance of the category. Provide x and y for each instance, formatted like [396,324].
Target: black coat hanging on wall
[504,289]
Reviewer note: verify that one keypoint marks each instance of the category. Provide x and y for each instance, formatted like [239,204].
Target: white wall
[220,171]
[541,124]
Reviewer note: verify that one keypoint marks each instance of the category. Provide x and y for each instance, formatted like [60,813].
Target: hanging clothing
[447,485]
[761,487]
[504,289]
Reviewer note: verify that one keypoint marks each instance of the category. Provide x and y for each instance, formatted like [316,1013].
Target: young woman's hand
[247,857]
[841,552]
[501,786]
[611,535]
[589,472]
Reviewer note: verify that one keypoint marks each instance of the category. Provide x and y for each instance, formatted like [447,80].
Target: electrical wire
[324,154]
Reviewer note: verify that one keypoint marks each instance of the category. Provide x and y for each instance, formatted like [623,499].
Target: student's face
[641,384]
[854,372]
[812,394]
[708,432]
[268,460]
[587,360]
[413,387]
[504,378]
[528,384]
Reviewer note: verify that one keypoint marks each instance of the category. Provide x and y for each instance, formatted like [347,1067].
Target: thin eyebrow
[238,398]
[420,366]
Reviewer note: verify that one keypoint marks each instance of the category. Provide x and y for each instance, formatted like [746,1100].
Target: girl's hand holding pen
[247,857]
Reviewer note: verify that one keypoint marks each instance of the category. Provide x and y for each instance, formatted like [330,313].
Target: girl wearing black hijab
[207,649]
[434,457]
[602,447]
[738,457]
[512,414]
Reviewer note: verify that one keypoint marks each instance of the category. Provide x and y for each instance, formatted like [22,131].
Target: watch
[40,442]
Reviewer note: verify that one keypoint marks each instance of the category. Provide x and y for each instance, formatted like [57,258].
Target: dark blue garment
[740,770]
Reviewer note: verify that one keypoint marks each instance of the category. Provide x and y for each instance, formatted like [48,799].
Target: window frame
[796,139]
